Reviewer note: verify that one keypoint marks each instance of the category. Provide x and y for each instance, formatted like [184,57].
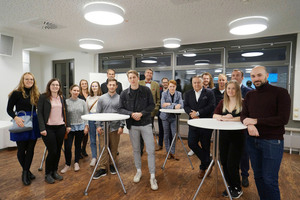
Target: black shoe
[225,194]
[83,152]
[112,169]
[30,175]
[99,173]
[80,156]
[25,179]
[236,193]
[56,176]
[245,181]
[117,153]
[49,179]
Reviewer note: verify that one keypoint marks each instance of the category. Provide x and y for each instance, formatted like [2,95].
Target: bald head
[259,76]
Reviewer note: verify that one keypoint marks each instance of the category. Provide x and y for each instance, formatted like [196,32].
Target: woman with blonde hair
[92,101]
[83,94]
[25,98]
[231,141]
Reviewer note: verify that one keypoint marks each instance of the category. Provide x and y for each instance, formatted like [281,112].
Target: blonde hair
[34,91]
[238,97]
[80,89]
[132,72]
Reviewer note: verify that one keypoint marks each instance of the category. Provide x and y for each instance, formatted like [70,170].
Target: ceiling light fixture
[189,54]
[103,13]
[252,54]
[91,44]
[172,43]
[248,25]
[218,70]
[150,60]
[201,62]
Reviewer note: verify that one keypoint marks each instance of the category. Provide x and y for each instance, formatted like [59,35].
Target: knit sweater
[271,106]
[76,108]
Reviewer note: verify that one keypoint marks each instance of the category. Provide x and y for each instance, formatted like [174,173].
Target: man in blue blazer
[238,75]
[200,103]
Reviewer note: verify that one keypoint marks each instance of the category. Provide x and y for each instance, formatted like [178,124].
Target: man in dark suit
[200,103]
[238,75]
[111,74]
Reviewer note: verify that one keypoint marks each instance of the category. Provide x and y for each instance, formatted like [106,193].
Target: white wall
[11,68]
[296,101]
[83,63]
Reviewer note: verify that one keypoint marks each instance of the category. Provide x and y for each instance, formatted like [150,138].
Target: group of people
[264,111]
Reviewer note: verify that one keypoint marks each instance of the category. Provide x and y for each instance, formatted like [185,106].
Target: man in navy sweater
[265,112]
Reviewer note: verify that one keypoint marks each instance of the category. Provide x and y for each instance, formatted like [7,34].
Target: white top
[104,117]
[175,111]
[210,123]
[90,101]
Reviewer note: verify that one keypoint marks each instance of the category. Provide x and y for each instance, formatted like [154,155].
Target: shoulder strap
[93,105]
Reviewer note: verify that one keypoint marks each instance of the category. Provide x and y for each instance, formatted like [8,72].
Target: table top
[210,123]
[104,117]
[175,111]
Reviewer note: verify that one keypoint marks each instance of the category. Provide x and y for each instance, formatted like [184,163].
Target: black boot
[56,176]
[25,179]
[49,179]
[30,175]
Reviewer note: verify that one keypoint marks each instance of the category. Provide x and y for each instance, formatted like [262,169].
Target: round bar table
[177,112]
[106,118]
[214,124]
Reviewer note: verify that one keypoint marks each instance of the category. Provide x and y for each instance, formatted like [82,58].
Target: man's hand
[166,104]
[136,116]
[252,130]
[193,115]
[249,121]
[120,131]
[100,130]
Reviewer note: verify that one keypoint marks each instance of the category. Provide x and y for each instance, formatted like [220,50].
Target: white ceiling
[147,22]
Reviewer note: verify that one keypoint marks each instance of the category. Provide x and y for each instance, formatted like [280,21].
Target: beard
[260,85]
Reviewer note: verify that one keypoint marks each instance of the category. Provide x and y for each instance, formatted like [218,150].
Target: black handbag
[27,123]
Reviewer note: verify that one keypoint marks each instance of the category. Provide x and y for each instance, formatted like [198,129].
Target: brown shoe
[169,157]
[158,148]
[174,157]
[201,174]
[211,169]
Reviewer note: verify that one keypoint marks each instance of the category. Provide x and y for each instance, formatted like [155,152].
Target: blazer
[155,93]
[166,98]
[44,109]
[244,90]
[205,105]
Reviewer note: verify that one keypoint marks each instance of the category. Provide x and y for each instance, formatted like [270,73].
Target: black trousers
[25,153]
[231,144]
[53,141]
[203,136]
[68,146]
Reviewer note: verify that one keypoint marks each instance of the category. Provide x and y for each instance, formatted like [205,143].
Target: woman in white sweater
[92,100]
[76,108]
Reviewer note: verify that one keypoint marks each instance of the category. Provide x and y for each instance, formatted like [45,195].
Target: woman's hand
[86,129]
[100,130]
[177,106]
[44,133]
[166,104]
[19,121]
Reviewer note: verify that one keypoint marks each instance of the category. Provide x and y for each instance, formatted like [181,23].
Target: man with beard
[265,112]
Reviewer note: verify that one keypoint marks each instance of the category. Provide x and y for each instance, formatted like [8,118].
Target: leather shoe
[49,179]
[56,176]
[201,174]
[30,175]
[174,157]
[25,179]
[158,148]
[245,181]
[209,172]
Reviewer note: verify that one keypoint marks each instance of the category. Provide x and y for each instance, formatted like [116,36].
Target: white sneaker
[65,169]
[137,177]
[190,153]
[153,184]
[93,162]
[76,167]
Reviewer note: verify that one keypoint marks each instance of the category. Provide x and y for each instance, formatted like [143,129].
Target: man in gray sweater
[109,103]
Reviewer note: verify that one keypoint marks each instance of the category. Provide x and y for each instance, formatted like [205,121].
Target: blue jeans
[265,156]
[93,139]
[169,126]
